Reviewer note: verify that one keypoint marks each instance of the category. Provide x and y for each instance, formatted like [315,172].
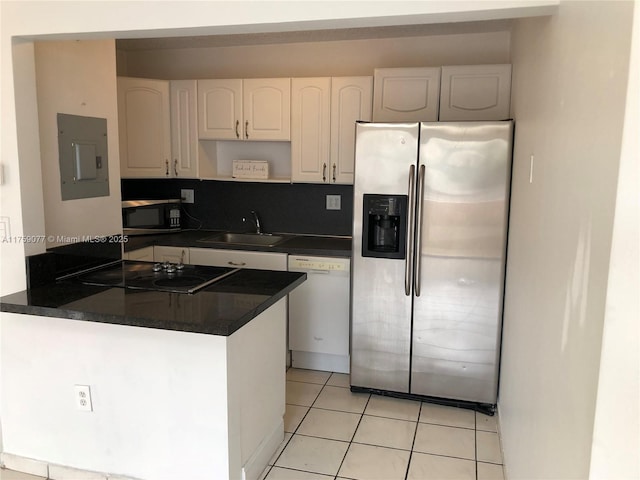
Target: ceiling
[230,40]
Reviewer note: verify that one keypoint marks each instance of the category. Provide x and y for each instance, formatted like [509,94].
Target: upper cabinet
[184,128]
[323,115]
[144,127]
[475,92]
[406,94]
[249,109]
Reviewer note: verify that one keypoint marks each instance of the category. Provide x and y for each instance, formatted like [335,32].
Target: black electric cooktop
[165,277]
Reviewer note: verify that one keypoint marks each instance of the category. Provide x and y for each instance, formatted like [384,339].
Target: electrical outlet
[333,202]
[83,398]
[187,195]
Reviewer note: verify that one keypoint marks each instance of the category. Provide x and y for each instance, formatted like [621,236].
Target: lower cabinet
[171,254]
[319,312]
[141,254]
[238,259]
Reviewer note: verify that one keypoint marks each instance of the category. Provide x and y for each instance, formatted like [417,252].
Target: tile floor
[331,433]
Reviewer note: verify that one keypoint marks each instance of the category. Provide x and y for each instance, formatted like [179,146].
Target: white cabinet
[184,128]
[475,92]
[406,94]
[238,259]
[319,313]
[351,100]
[141,254]
[171,254]
[250,109]
[144,127]
[323,115]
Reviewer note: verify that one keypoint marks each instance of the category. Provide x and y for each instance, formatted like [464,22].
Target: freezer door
[386,154]
[460,255]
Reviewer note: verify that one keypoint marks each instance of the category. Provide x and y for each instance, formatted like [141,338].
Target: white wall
[159,397]
[618,403]
[569,88]
[77,78]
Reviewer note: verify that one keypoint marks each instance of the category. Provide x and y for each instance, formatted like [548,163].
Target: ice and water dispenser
[384,226]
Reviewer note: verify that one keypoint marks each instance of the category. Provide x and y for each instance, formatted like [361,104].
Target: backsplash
[283,208]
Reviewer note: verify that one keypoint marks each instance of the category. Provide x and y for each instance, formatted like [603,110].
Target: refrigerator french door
[429,244]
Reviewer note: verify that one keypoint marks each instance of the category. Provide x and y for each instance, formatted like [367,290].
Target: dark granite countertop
[219,309]
[294,244]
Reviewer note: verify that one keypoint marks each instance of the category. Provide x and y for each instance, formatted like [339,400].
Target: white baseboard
[320,361]
[254,467]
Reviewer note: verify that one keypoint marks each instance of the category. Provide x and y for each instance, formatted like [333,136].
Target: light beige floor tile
[308,376]
[13,475]
[330,424]
[293,415]
[450,416]
[486,422]
[489,471]
[264,473]
[311,454]
[433,467]
[366,462]
[341,399]
[448,441]
[278,473]
[489,447]
[397,408]
[274,457]
[339,380]
[303,394]
[385,432]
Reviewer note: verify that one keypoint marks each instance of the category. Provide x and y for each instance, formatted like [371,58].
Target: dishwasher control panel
[319,263]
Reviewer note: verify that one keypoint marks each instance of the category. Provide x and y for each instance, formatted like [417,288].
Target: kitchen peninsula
[182,385]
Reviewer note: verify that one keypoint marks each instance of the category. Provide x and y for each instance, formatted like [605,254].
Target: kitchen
[521,51]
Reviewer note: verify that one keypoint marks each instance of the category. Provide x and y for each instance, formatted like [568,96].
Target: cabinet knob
[334,173]
[237,128]
[166,165]
[246,129]
[324,172]
[175,168]
[241,264]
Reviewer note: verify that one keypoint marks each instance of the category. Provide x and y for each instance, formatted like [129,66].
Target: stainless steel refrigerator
[431,205]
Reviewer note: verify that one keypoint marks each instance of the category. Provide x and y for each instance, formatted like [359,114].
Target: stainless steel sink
[257,239]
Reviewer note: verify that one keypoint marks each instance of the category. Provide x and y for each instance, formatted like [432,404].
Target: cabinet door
[351,100]
[406,94]
[220,109]
[171,254]
[310,129]
[238,259]
[475,92]
[141,254]
[144,127]
[267,108]
[184,129]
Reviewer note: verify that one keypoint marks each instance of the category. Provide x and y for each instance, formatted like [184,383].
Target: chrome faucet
[257,222]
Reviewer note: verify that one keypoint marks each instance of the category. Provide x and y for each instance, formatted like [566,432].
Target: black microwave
[142,217]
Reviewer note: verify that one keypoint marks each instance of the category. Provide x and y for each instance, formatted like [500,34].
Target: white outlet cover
[333,202]
[187,195]
[83,398]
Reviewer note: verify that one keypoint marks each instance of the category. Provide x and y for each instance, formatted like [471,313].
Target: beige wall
[77,78]
[317,59]
[569,90]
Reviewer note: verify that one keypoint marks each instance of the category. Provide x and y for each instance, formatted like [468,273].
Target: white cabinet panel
[184,128]
[141,254]
[171,254]
[267,108]
[406,94]
[144,127]
[475,92]
[220,109]
[238,259]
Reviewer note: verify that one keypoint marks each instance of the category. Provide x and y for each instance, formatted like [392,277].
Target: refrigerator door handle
[419,201]
[408,262]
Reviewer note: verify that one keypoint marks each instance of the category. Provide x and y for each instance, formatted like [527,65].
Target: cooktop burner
[160,277]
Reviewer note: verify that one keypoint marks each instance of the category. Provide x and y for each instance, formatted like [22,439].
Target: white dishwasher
[319,313]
